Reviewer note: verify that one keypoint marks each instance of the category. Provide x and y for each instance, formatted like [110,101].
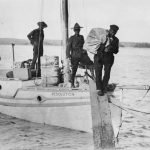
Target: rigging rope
[61,30]
[85,12]
[41,10]
[69,14]
[41,18]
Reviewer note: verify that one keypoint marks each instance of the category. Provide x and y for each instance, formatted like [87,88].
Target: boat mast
[13,52]
[64,25]
[65,33]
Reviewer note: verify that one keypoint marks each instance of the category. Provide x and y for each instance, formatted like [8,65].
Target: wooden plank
[134,87]
[103,135]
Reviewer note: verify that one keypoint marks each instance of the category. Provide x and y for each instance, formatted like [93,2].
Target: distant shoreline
[9,41]
[135,44]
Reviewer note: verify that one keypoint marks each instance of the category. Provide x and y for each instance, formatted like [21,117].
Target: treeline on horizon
[9,41]
[135,44]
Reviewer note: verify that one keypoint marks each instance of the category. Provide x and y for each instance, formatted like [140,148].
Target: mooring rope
[131,110]
[126,108]
[146,93]
[135,113]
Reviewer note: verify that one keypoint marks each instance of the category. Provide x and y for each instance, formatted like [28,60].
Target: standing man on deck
[104,57]
[36,38]
[75,52]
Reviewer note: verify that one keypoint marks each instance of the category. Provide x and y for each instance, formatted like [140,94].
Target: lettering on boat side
[62,94]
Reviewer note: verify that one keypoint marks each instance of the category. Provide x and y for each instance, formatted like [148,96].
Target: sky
[19,17]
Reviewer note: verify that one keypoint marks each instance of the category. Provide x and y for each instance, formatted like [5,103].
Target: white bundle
[96,37]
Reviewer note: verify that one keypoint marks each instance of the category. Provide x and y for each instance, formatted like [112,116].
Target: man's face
[112,32]
[77,31]
[41,27]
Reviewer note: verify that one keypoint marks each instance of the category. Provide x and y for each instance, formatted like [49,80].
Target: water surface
[131,67]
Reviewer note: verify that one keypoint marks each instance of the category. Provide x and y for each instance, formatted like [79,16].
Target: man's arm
[30,36]
[113,47]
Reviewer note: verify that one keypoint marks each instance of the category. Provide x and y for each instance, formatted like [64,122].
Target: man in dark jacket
[76,53]
[105,57]
[36,38]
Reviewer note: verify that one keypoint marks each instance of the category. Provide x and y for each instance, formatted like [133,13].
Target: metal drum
[49,61]
[50,71]
[50,81]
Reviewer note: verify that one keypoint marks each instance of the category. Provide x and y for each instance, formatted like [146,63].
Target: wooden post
[13,52]
[64,18]
[103,134]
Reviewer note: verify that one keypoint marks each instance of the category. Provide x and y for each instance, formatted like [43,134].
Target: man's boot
[100,92]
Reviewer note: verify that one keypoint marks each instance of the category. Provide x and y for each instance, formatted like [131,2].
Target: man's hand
[106,50]
[32,41]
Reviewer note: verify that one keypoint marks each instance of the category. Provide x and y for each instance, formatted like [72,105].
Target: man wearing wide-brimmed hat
[36,38]
[104,58]
[74,50]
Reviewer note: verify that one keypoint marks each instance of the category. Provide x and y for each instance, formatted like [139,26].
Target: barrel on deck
[50,70]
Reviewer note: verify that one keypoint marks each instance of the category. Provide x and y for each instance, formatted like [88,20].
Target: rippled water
[131,67]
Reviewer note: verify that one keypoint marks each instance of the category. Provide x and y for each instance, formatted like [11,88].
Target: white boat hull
[74,117]
[60,107]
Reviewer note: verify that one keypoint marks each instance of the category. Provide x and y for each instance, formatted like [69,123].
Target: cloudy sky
[19,17]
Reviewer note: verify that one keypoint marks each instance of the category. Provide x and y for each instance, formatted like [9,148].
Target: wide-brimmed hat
[76,26]
[42,23]
[114,27]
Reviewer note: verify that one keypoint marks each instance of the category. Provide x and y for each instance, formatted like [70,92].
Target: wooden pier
[103,134]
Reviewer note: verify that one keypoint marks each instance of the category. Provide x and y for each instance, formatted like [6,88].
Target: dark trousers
[84,60]
[105,61]
[74,64]
[37,53]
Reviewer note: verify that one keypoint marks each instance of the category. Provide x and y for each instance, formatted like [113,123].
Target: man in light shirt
[102,44]
[105,58]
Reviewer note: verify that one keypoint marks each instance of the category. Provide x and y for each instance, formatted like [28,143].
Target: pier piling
[103,134]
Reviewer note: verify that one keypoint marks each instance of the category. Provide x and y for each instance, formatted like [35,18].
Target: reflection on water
[131,67]
[19,134]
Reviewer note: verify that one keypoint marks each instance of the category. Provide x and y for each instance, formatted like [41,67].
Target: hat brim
[43,24]
[77,28]
[114,27]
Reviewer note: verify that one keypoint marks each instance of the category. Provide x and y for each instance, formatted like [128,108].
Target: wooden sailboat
[60,106]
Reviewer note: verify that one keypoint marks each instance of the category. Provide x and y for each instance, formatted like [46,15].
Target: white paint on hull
[57,106]
[74,117]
